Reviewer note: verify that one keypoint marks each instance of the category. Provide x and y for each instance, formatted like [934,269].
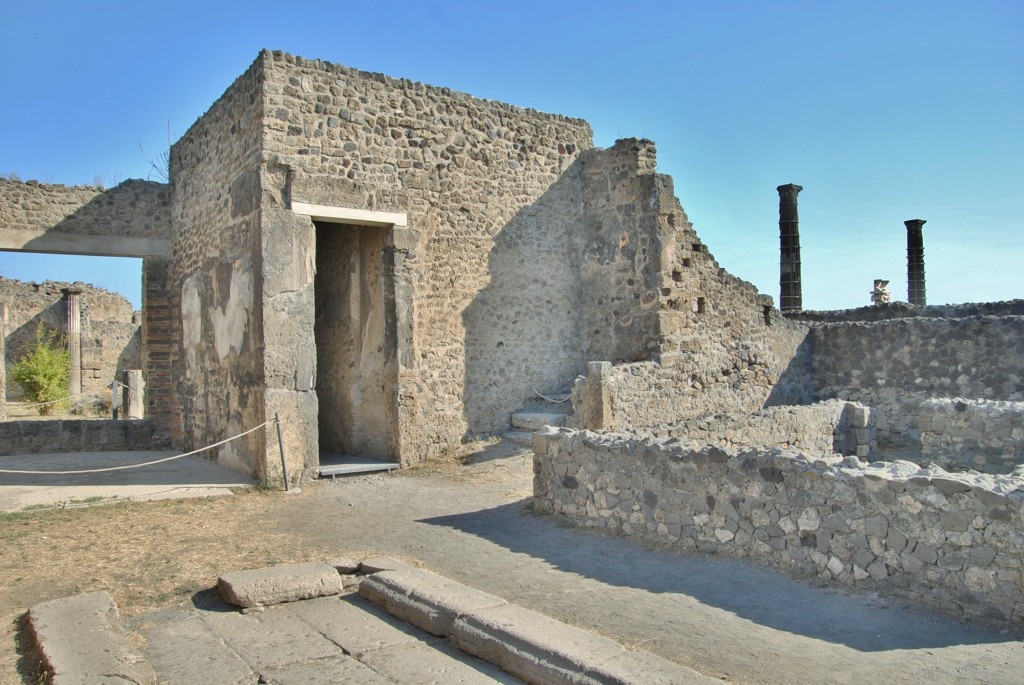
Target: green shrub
[42,372]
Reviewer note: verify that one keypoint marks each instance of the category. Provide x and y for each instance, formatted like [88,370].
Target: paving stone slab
[354,624]
[186,652]
[543,650]
[333,670]
[275,637]
[434,664]
[424,599]
[81,640]
[276,584]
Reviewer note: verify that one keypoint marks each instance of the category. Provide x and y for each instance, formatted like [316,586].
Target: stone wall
[903,310]
[826,427]
[483,281]
[78,435]
[684,337]
[215,276]
[985,435]
[894,365]
[131,219]
[954,541]
[109,329]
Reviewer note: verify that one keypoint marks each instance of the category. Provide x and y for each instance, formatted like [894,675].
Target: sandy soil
[472,522]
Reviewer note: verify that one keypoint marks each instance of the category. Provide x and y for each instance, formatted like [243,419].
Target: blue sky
[882,111]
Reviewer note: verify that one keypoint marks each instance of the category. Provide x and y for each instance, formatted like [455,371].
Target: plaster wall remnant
[915,262]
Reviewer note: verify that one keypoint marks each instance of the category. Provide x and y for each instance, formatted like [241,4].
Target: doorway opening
[350,294]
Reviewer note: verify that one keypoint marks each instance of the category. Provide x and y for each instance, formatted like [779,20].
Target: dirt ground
[472,522]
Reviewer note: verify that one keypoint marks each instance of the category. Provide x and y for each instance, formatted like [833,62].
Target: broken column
[73,331]
[132,405]
[790,296]
[915,262]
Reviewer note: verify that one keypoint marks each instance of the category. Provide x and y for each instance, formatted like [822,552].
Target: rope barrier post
[115,399]
[280,446]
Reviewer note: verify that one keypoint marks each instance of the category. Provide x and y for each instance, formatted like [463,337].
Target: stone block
[540,649]
[426,600]
[81,641]
[277,584]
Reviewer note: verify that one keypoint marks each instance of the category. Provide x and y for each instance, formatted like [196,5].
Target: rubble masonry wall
[133,208]
[486,276]
[214,278]
[895,365]
[833,426]
[954,541]
[960,434]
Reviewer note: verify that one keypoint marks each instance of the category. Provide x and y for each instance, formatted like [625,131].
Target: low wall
[954,541]
[897,364]
[985,435]
[831,426]
[79,435]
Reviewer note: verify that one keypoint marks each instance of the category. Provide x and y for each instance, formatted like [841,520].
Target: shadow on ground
[860,621]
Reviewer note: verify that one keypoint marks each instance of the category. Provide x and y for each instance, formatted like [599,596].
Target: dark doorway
[350,339]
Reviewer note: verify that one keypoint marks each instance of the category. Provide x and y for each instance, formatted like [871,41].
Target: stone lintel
[348,215]
[55,242]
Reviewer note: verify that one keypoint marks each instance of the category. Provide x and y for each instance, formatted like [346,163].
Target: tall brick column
[73,331]
[915,262]
[790,294]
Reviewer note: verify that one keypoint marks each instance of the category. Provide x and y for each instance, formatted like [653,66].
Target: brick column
[915,262]
[73,331]
[157,343]
[790,293]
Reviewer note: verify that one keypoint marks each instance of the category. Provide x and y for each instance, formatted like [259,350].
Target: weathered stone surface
[426,600]
[277,584]
[960,434]
[275,637]
[81,640]
[540,649]
[188,652]
[890,526]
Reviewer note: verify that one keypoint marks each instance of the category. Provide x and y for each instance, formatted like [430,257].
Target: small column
[915,262]
[3,361]
[133,405]
[73,331]
[790,293]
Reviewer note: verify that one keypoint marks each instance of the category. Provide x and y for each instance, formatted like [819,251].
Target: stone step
[524,438]
[534,421]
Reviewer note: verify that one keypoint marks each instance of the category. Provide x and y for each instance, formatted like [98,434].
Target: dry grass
[145,555]
[155,554]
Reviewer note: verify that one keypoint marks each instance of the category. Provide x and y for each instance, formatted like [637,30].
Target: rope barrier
[136,466]
[550,399]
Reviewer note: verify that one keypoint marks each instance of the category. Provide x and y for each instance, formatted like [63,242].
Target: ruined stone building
[109,332]
[394,267]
